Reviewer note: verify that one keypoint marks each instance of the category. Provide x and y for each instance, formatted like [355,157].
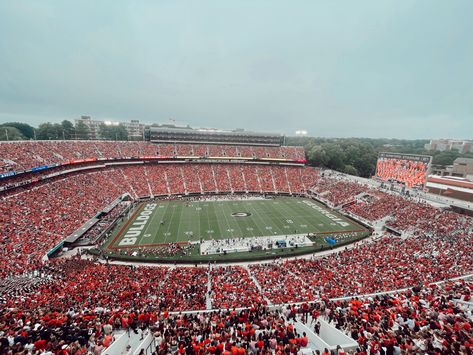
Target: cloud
[365,68]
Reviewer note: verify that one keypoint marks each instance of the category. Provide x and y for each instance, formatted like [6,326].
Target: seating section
[376,205]
[84,299]
[91,300]
[237,178]
[279,286]
[338,192]
[419,321]
[19,156]
[233,286]
[265,178]
[221,177]
[36,219]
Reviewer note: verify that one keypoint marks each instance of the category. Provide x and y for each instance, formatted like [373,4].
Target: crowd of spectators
[72,302]
[142,180]
[253,331]
[280,286]
[105,221]
[376,205]
[23,155]
[336,191]
[84,301]
[232,286]
[386,264]
[410,172]
[34,221]
[422,320]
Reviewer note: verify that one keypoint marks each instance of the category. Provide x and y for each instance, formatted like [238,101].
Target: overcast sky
[401,68]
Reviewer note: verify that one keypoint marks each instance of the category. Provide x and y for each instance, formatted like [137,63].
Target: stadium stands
[19,156]
[76,303]
[376,205]
[420,321]
[232,287]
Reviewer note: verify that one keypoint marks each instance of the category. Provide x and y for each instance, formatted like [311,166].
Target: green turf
[185,221]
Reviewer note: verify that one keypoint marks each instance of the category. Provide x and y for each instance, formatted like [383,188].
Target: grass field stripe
[220,217]
[279,219]
[262,219]
[198,221]
[310,221]
[307,221]
[169,222]
[236,224]
[207,222]
[219,222]
[179,209]
[150,223]
[226,211]
[163,212]
[202,221]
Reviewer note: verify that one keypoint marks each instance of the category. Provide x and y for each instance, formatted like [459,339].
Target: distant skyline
[393,69]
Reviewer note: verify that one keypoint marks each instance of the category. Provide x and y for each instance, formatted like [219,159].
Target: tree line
[358,156]
[65,130]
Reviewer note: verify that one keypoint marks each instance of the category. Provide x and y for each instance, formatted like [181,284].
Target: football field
[160,222]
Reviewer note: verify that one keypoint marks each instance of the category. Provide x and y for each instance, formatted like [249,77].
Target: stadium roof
[463,160]
[237,131]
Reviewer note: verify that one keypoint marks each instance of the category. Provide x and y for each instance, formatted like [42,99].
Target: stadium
[213,241]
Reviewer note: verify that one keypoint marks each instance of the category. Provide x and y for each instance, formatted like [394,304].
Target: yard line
[290,210]
[179,208]
[225,212]
[170,223]
[150,223]
[263,220]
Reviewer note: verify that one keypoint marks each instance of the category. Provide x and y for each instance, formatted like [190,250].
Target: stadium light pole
[6,133]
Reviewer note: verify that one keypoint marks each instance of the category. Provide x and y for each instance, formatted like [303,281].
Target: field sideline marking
[171,220]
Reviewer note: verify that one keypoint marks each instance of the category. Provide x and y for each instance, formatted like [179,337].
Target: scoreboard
[408,169]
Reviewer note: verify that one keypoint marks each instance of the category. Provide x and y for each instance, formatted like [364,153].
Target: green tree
[81,131]
[68,129]
[112,132]
[366,164]
[336,156]
[25,129]
[317,156]
[350,169]
[48,131]
[10,133]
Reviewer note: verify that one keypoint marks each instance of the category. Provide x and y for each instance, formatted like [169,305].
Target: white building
[134,128]
[441,145]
